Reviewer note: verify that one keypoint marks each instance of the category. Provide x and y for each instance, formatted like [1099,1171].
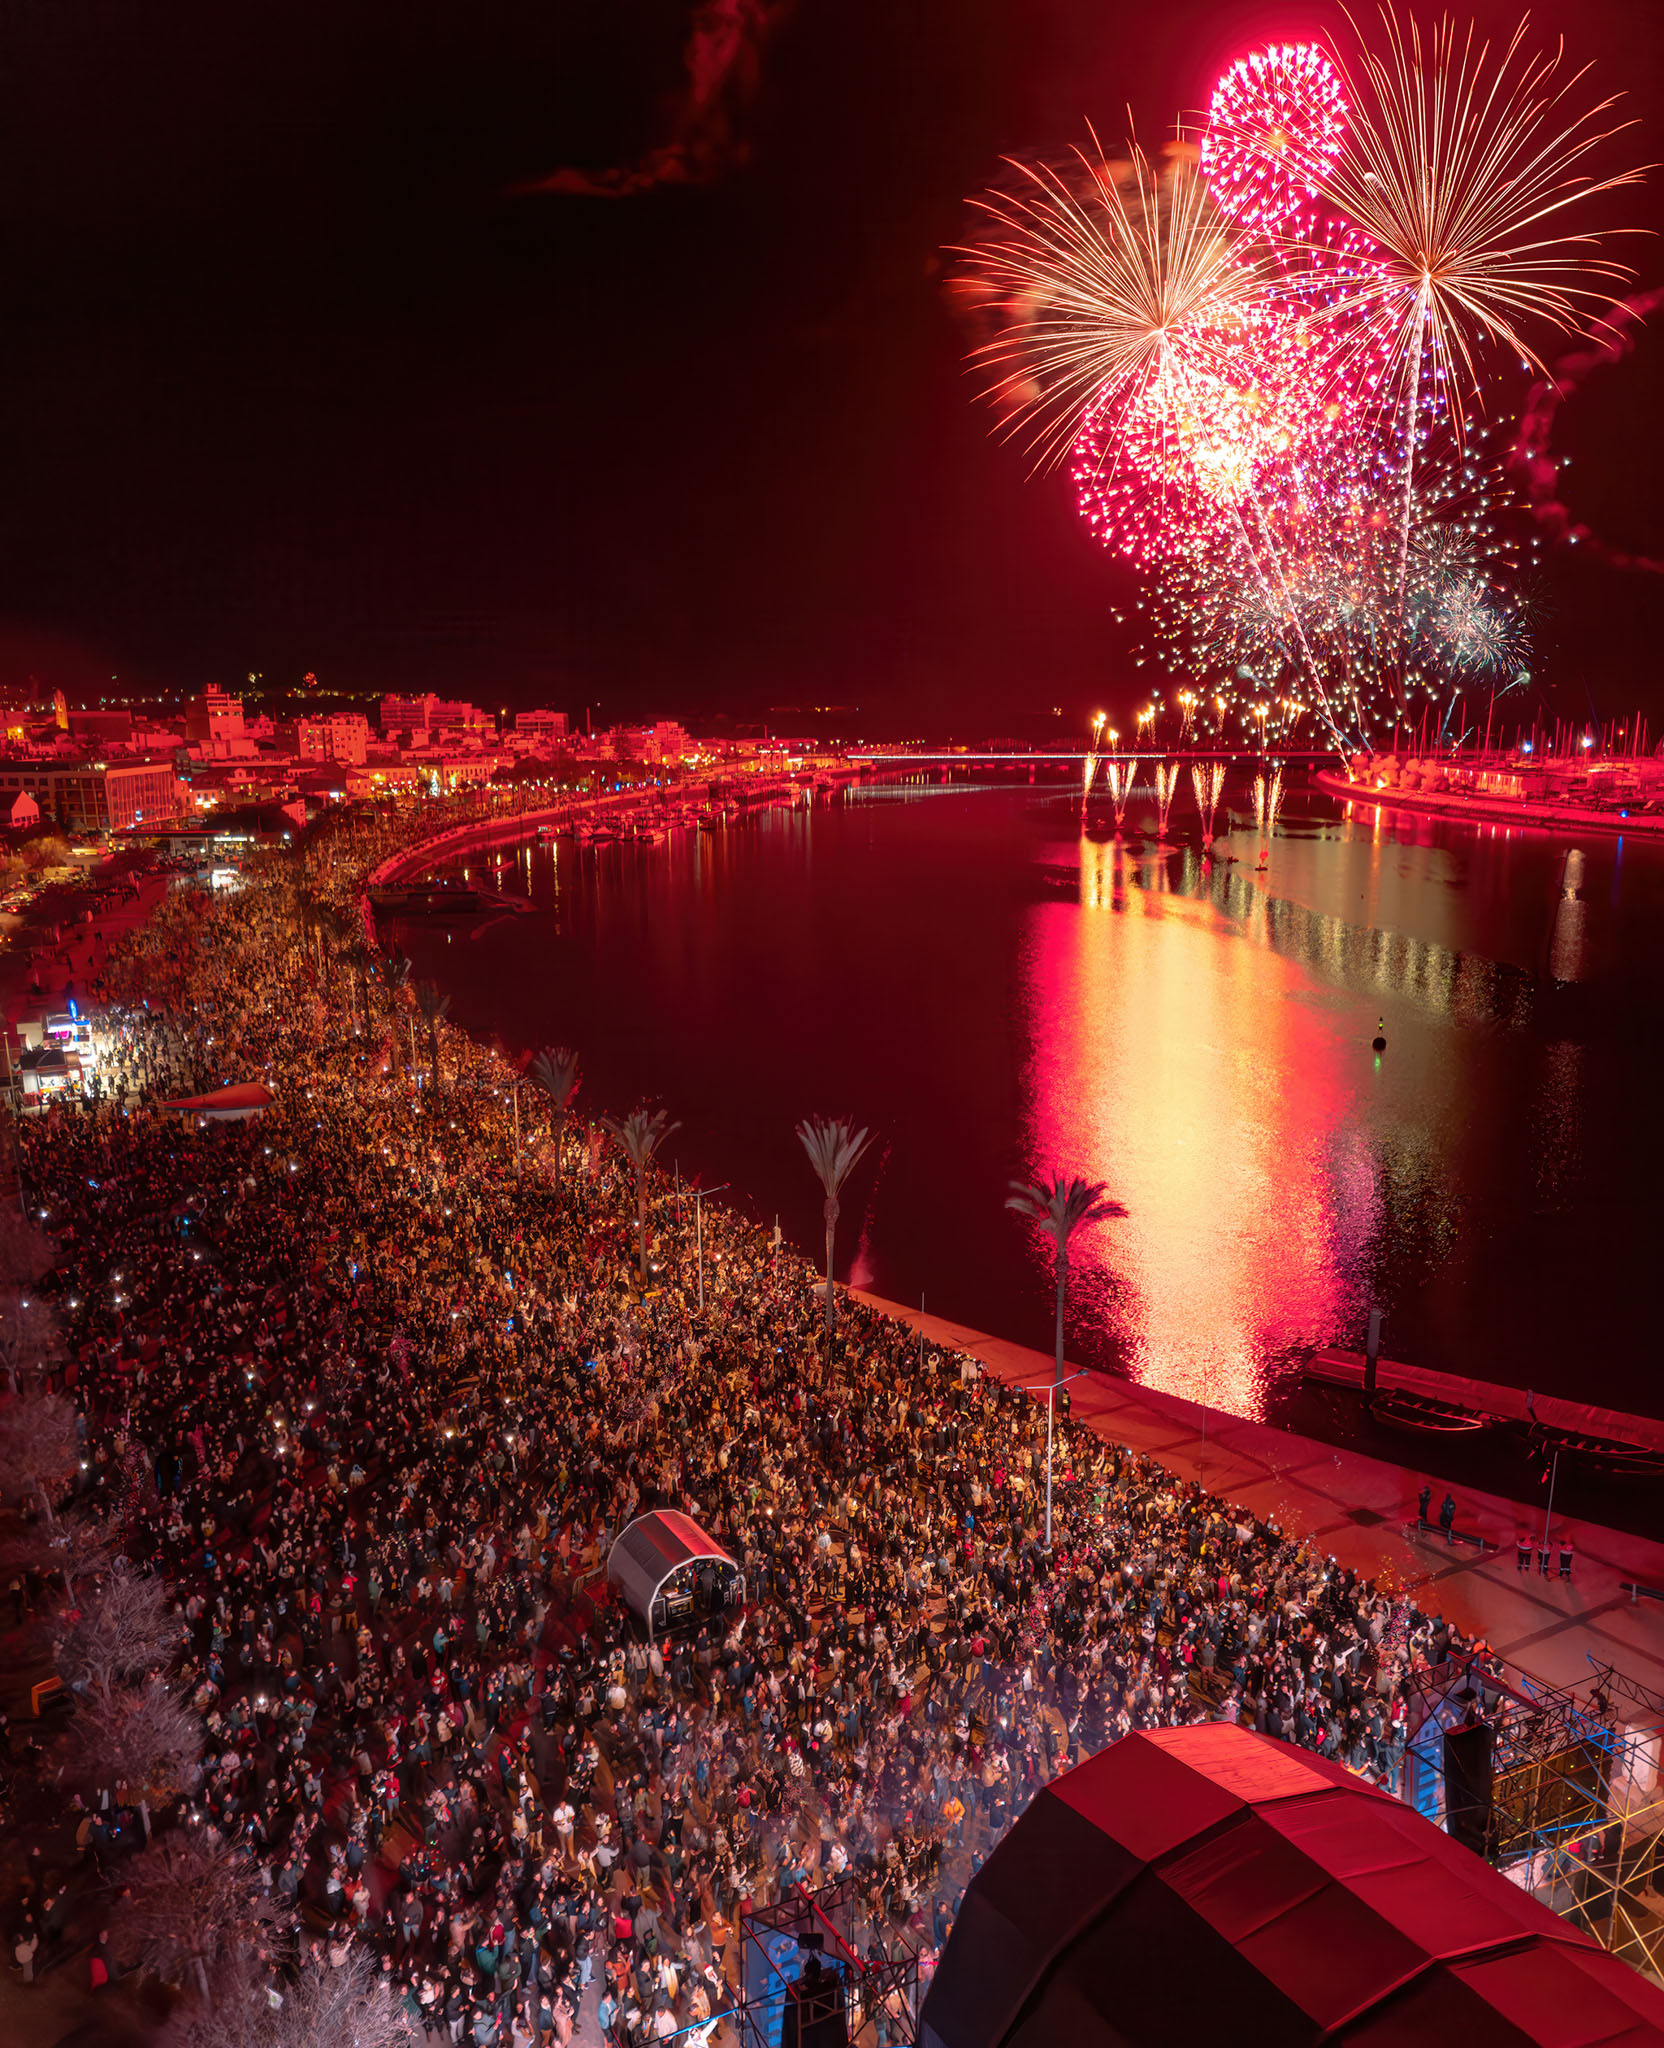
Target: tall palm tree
[433,1005]
[641,1134]
[555,1071]
[1060,1206]
[360,964]
[332,933]
[395,975]
[309,926]
[833,1145]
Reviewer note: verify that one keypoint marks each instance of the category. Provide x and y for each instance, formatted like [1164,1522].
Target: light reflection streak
[1209,1083]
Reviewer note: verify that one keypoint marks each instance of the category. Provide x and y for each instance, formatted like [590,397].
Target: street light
[1051,1408]
[699,1233]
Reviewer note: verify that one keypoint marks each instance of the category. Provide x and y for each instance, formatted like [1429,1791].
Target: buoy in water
[1379,1042]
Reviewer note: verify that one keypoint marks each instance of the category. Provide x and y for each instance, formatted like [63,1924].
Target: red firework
[1275,130]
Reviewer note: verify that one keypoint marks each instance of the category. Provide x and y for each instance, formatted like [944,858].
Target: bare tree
[30,1337]
[1060,1207]
[641,1134]
[190,1902]
[75,1546]
[39,1448]
[349,2007]
[833,1146]
[143,1739]
[352,2007]
[555,1071]
[122,1630]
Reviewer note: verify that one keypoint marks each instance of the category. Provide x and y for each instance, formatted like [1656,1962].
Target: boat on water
[1398,1409]
[442,899]
[1610,1458]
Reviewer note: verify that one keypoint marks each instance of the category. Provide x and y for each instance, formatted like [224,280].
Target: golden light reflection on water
[1210,1081]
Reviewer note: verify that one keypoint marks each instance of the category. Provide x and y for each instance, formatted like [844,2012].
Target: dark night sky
[289,380]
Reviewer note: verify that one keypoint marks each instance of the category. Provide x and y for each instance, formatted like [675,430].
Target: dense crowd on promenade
[375,1396]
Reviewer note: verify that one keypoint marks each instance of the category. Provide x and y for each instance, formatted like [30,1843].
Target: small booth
[671,1573]
[47,1071]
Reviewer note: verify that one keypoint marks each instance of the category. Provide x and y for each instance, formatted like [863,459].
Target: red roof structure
[653,1549]
[1209,1883]
[229,1104]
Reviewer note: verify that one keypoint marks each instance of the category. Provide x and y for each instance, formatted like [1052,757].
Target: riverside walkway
[1522,813]
[1362,1511]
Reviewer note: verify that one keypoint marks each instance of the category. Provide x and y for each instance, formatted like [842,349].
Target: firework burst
[1167,784]
[1121,779]
[1111,285]
[1259,355]
[1208,782]
[1465,175]
[1268,801]
[1274,135]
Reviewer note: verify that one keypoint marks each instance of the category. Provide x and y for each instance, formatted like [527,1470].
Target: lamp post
[1052,1390]
[699,1233]
[1548,1512]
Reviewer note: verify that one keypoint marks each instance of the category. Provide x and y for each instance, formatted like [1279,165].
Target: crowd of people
[370,1380]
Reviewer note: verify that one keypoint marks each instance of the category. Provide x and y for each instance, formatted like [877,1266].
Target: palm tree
[433,1005]
[332,933]
[1061,1207]
[555,1071]
[360,964]
[833,1146]
[395,975]
[308,911]
[641,1134]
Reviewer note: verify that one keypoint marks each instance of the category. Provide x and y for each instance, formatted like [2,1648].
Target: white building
[429,713]
[214,722]
[341,736]
[540,725]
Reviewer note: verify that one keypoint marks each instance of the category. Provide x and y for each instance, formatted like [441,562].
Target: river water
[996,990]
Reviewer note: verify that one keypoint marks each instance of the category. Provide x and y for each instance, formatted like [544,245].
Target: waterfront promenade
[1521,813]
[398,1256]
[1362,1511]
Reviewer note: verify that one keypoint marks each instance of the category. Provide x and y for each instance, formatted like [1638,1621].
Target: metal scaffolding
[871,1966]
[1560,1792]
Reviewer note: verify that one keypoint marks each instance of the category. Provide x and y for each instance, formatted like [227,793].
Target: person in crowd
[370,1379]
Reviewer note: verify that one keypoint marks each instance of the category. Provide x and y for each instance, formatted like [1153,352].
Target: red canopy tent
[1209,1883]
[229,1104]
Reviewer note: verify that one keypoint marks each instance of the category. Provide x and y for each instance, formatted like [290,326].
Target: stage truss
[875,1963]
[1575,1812]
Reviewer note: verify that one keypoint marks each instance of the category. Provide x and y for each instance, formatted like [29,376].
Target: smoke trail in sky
[723,63]
[1532,461]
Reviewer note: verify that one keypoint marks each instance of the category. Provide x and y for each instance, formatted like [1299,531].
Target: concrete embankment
[1362,1511]
[1523,813]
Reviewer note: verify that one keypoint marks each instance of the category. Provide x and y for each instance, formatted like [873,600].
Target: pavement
[74,960]
[1362,1511]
